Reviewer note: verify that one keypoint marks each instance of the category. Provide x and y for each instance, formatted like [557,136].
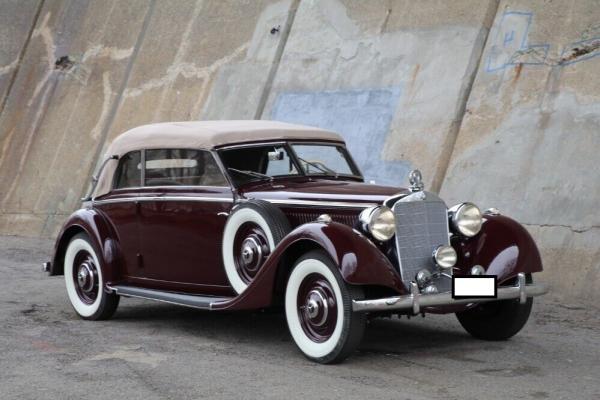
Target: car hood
[322,191]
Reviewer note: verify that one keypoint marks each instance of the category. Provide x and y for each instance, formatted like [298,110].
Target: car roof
[212,134]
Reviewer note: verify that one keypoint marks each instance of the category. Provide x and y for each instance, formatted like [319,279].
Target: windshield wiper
[251,173]
[321,167]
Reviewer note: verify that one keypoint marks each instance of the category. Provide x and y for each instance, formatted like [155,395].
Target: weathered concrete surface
[392,77]
[177,63]
[16,20]
[53,118]
[128,63]
[156,351]
[530,138]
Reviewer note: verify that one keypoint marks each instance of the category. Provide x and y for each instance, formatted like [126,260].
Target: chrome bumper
[415,301]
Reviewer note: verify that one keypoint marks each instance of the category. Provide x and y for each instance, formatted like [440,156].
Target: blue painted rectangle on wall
[361,116]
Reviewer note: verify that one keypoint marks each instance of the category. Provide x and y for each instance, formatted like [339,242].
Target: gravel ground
[158,351]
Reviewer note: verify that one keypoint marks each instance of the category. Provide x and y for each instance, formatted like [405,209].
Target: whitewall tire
[318,308]
[84,281]
[251,233]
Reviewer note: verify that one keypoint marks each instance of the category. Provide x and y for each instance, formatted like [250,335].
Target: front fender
[503,248]
[102,236]
[360,262]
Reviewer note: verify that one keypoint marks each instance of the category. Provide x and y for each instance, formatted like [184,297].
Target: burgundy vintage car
[245,215]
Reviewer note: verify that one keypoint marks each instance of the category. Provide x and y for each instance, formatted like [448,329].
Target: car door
[182,215]
[120,206]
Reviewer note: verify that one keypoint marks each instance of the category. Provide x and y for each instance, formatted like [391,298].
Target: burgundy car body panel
[359,260]
[315,189]
[503,248]
[177,234]
[102,236]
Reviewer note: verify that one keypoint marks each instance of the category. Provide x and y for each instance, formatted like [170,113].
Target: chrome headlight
[379,222]
[466,219]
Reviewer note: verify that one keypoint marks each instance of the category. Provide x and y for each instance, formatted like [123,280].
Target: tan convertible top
[211,134]
[203,135]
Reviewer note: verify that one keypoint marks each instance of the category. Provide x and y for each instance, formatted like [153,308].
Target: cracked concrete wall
[121,64]
[49,126]
[506,117]
[16,20]
[530,136]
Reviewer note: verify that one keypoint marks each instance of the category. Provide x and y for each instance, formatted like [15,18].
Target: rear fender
[503,248]
[360,262]
[101,235]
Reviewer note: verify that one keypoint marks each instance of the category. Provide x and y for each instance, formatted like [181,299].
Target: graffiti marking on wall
[510,45]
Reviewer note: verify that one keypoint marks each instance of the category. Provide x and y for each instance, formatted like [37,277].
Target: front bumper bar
[416,301]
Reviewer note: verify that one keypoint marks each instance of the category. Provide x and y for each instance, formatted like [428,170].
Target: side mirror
[276,155]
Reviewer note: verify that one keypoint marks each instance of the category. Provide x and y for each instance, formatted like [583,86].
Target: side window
[182,167]
[129,171]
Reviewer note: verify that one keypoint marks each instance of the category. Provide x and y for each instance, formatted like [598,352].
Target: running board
[187,300]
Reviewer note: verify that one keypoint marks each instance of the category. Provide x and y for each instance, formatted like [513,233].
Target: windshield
[265,162]
[318,159]
[247,164]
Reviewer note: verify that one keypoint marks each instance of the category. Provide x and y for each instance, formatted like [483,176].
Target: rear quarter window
[182,167]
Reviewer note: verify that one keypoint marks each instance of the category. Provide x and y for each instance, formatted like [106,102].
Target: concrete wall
[495,101]
[530,136]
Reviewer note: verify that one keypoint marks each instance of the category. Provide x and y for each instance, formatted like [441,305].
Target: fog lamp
[423,278]
[431,289]
[445,256]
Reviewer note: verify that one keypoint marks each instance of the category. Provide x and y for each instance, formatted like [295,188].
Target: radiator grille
[421,226]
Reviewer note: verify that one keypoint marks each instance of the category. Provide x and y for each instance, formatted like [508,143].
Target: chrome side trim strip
[320,203]
[164,198]
[230,200]
[416,303]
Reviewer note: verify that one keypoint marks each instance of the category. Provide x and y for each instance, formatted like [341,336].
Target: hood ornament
[416,181]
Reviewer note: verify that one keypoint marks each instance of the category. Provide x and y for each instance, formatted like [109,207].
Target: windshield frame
[287,145]
[356,173]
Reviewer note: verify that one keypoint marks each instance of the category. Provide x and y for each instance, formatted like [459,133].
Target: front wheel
[318,308]
[497,320]
[85,283]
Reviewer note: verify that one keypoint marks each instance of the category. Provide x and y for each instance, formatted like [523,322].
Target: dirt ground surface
[158,351]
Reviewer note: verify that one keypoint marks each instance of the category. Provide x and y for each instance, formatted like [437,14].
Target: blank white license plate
[474,286]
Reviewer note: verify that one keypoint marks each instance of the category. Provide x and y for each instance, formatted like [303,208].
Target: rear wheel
[318,308]
[84,281]
[498,320]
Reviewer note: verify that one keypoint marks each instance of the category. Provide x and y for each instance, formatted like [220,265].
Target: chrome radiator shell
[421,226]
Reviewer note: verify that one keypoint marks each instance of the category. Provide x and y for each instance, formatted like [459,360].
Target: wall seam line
[276,60]
[119,97]
[21,56]
[457,122]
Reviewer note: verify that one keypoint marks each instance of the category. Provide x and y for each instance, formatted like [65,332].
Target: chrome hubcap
[316,307]
[85,277]
[250,247]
